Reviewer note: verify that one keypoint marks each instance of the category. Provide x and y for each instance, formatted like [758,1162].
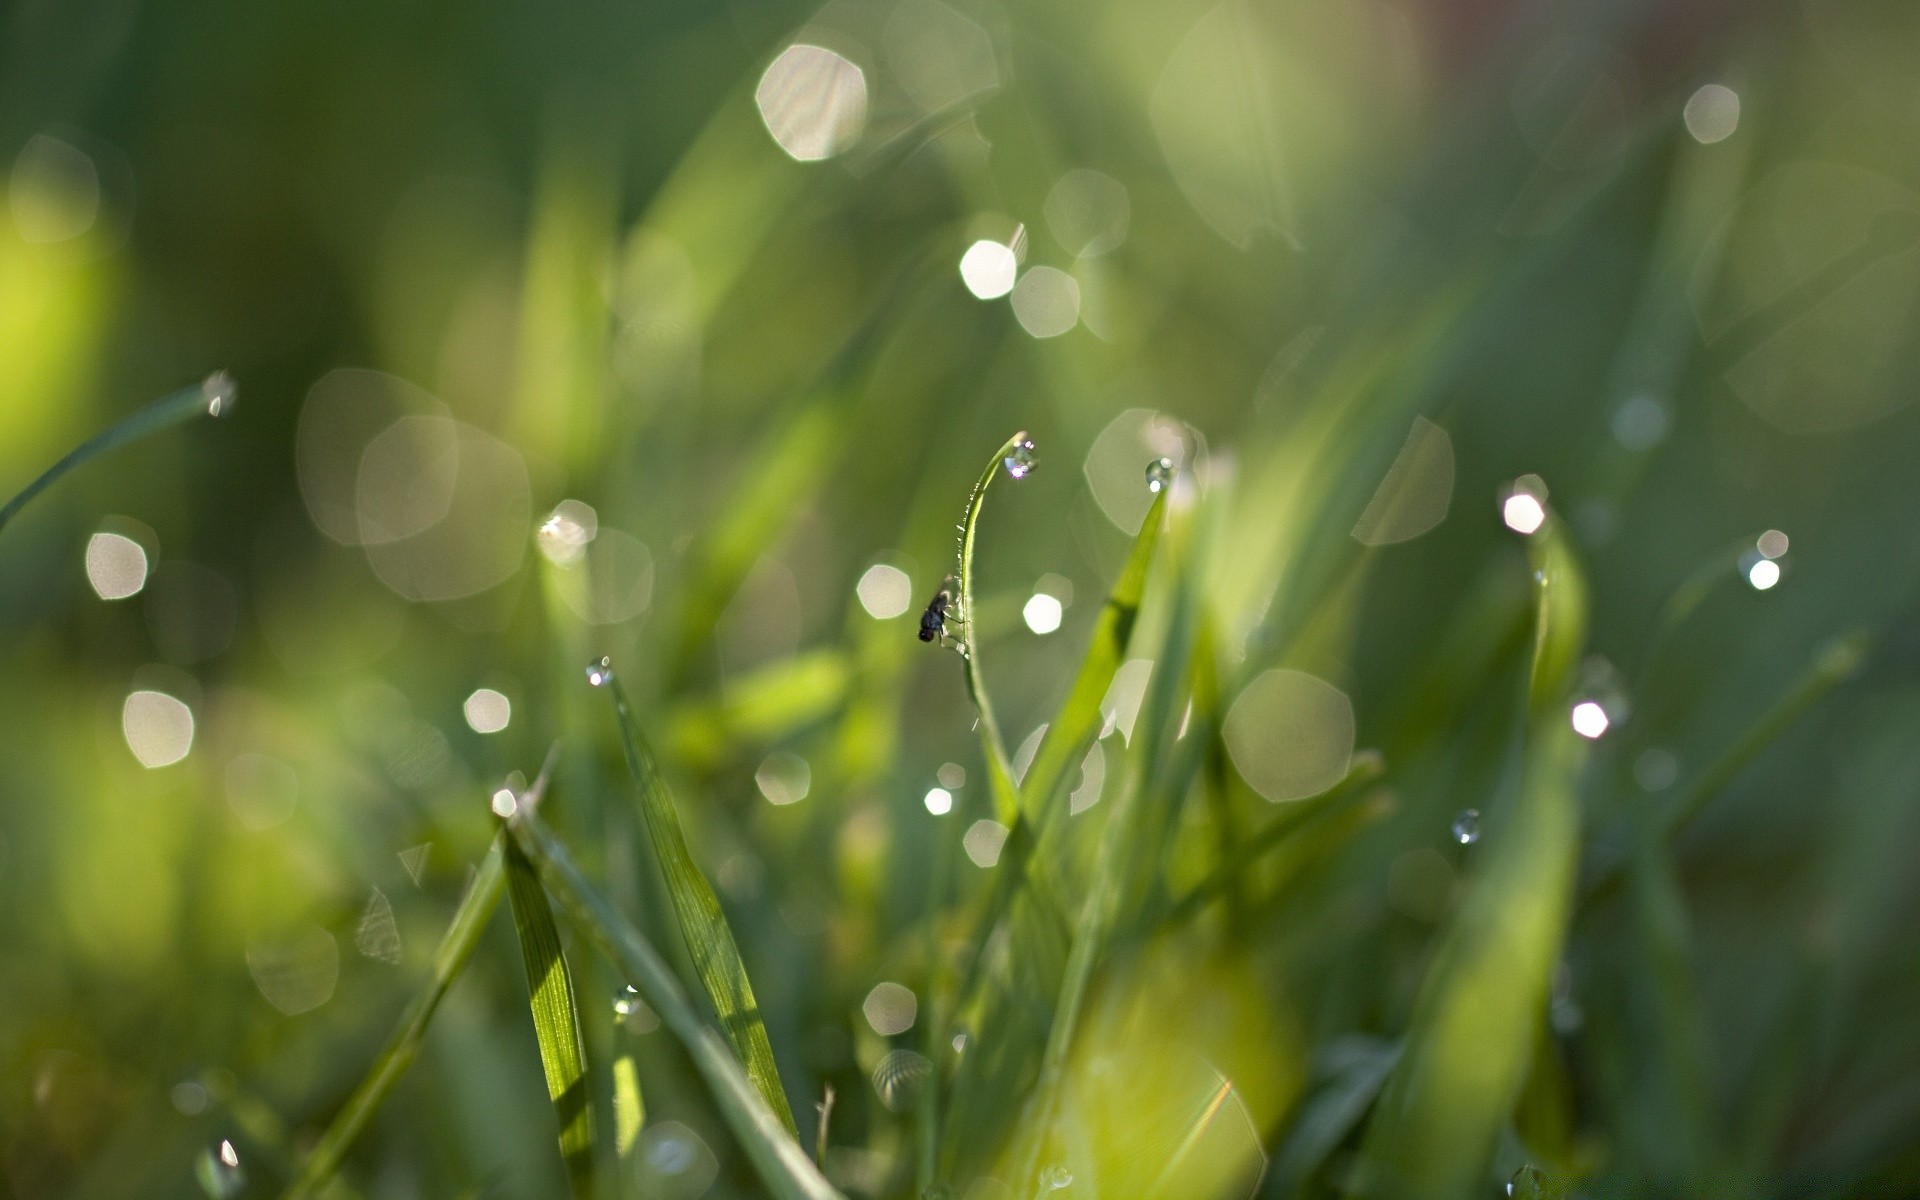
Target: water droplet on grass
[623,1002]
[1527,1182]
[1020,461]
[1159,473]
[219,1171]
[1466,827]
[1058,1178]
[600,671]
[219,391]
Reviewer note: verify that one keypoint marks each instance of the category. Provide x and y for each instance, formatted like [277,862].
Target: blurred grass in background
[658,332]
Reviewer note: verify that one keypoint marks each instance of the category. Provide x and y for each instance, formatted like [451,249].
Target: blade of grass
[556,1019]
[629,1106]
[1006,793]
[767,1138]
[709,939]
[1366,770]
[1126,852]
[1071,731]
[403,1046]
[1471,1032]
[1833,665]
[211,397]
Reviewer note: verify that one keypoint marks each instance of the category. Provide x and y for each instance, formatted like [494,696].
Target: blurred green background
[635,330]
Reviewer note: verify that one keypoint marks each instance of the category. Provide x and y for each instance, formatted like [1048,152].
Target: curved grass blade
[211,397]
[1072,729]
[556,1018]
[1832,666]
[716,957]
[1470,1037]
[456,947]
[767,1138]
[1006,793]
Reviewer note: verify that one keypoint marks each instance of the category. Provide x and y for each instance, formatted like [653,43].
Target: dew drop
[219,1171]
[1466,826]
[1527,1183]
[1159,472]
[1020,461]
[624,1001]
[600,671]
[219,392]
[1058,1178]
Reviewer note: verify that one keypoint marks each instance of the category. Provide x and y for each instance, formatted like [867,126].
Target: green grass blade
[1079,718]
[1471,1032]
[716,957]
[1835,663]
[556,1018]
[1006,794]
[456,947]
[629,1106]
[1366,770]
[767,1138]
[1072,729]
[211,397]
[1127,855]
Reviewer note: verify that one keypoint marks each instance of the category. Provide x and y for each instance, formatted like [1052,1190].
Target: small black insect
[933,622]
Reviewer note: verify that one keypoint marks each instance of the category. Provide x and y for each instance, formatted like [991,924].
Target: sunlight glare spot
[939,801]
[1712,114]
[983,842]
[1042,613]
[1523,513]
[885,591]
[890,1008]
[487,711]
[158,728]
[783,778]
[814,102]
[988,269]
[1763,574]
[1046,302]
[1590,720]
[116,566]
[1772,544]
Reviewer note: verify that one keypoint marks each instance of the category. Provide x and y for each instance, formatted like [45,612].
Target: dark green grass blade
[709,939]
[456,947]
[1470,1038]
[211,397]
[556,1018]
[1006,794]
[1366,770]
[767,1138]
[1833,665]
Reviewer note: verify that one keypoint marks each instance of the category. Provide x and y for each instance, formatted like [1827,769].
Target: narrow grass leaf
[456,947]
[1006,793]
[211,397]
[629,1107]
[556,1018]
[1470,1036]
[766,1136]
[709,939]
[1073,728]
